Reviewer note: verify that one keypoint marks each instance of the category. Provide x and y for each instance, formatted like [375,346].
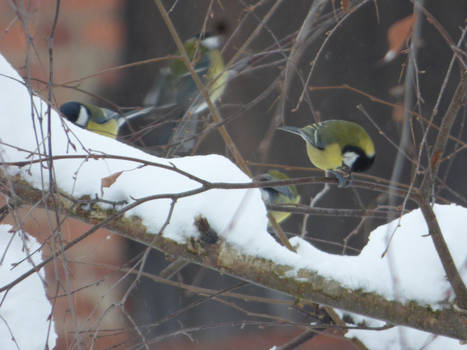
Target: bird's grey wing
[235,69]
[153,131]
[285,190]
[188,93]
[107,115]
[124,118]
[163,91]
[312,134]
[185,134]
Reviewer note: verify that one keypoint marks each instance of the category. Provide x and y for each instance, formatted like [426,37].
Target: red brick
[99,5]
[14,39]
[103,33]
[85,266]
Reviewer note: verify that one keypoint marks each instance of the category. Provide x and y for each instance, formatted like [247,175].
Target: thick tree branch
[426,190]
[309,287]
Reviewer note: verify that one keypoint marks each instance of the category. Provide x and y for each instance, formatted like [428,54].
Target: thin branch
[305,209]
[309,287]
[426,190]
[186,60]
[313,202]
[296,53]
[256,32]
[206,185]
[386,103]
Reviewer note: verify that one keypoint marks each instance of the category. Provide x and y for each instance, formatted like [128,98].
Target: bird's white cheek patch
[349,158]
[82,118]
[212,42]
[265,196]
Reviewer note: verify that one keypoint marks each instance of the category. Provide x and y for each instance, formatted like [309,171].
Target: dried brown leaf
[398,113]
[435,159]
[109,180]
[398,33]
[345,5]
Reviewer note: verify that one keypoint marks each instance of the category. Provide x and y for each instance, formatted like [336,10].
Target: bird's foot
[342,181]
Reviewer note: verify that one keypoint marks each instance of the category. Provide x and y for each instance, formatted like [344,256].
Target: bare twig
[295,55]
[426,190]
[313,202]
[386,103]
[408,101]
[186,60]
[310,286]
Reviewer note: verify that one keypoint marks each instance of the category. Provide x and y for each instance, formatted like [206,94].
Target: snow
[412,255]
[239,216]
[83,176]
[25,310]
[397,337]
[404,338]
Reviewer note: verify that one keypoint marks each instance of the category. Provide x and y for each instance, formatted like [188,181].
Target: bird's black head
[362,161]
[209,40]
[219,29]
[71,110]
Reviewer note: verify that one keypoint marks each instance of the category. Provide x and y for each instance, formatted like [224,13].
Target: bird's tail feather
[134,114]
[291,129]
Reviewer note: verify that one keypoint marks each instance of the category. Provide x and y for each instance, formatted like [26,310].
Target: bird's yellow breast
[280,216]
[109,128]
[329,158]
[217,75]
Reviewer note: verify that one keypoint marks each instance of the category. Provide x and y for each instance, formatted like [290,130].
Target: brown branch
[399,190]
[386,103]
[426,190]
[296,53]
[204,91]
[305,209]
[446,125]
[256,32]
[239,160]
[298,340]
[309,287]
[119,67]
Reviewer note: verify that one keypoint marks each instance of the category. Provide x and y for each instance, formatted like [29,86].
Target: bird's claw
[343,181]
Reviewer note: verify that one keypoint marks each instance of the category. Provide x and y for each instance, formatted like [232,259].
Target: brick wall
[88,38]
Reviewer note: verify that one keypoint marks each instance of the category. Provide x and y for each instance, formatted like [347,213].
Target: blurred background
[93,38]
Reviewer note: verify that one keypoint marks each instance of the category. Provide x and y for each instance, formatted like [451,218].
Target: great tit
[97,119]
[176,86]
[337,145]
[277,195]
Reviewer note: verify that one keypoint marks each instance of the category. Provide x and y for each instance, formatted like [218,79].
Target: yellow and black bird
[97,119]
[337,145]
[175,86]
[278,195]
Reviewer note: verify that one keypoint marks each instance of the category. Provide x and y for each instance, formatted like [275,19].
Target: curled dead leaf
[435,159]
[398,113]
[109,180]
[345,5]
[398,33]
